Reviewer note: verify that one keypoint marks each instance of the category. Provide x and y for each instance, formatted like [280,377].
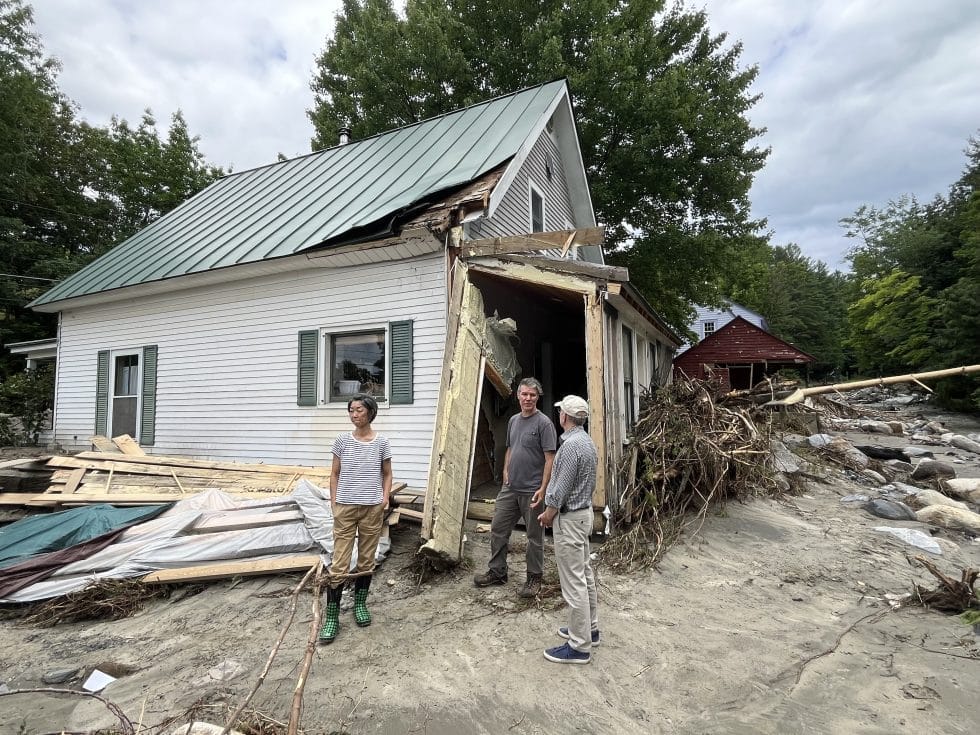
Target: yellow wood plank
[295,563]
[242,520]
[209,464]
[595,359]
[127,445]
[103,444]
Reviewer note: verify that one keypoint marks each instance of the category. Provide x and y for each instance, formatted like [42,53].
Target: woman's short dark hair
[369,403]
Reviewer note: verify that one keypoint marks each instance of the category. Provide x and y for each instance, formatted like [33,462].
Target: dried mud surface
[772,619]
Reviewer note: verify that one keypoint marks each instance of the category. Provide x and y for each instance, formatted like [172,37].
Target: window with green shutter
[148,397]
[306,368]
[102,393]
[402,362]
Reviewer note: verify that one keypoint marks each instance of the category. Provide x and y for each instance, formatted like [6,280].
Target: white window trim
[325,359]
[632,408]
[532,189]
[113,354]
[704,328]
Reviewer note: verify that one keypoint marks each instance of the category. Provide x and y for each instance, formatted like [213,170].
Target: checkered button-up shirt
[573,474]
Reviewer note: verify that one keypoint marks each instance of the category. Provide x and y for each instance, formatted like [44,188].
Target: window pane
[537,212]
[358,364]
[126,381]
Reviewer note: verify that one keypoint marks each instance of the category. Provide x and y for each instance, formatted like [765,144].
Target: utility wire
[30,278]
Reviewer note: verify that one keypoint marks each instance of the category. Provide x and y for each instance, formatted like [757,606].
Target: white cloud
[863,100]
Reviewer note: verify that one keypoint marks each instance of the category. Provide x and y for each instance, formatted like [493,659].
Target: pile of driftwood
[687,450]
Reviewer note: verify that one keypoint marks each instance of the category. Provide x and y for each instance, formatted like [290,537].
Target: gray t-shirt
[528,439]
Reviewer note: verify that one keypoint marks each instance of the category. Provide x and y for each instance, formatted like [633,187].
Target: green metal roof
[288,207]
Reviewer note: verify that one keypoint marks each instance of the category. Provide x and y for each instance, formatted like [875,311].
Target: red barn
[741,353]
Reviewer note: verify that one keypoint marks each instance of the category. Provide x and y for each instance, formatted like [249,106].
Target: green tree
[891,325]
[660,102]
[68,190]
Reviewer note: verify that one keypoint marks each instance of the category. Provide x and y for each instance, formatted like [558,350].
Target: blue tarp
[42,534]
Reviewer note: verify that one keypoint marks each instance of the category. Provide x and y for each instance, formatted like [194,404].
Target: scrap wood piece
[103,444]
[127,445]
[237,521]
[74,479]
[212,464]
[204,572]
[952,595]
[85,498]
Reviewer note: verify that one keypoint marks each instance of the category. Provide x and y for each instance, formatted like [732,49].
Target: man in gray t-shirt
[531,444]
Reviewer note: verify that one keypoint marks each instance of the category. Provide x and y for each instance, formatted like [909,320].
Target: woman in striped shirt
[360,483]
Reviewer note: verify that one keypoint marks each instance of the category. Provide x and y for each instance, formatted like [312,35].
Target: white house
[239,324]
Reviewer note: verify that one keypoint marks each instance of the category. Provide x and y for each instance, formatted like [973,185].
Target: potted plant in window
[351,382]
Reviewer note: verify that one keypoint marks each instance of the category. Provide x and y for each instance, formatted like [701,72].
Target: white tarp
[169,541]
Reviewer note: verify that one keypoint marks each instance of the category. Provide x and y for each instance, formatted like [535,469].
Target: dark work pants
[510,507]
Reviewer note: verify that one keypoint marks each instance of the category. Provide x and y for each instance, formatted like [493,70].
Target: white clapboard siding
[514,213]
[227,362]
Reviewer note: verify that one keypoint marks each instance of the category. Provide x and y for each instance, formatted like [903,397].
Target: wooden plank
[16,498]
[26,464]
[415,515]
[211,465]
[127,445]
[236,521]
[201,573]
[532,243]
[86,498]
[594,360]
[134,465]
[73,480]
[103,444]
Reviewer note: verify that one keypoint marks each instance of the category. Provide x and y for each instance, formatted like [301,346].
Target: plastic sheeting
[170,541]
[49,532]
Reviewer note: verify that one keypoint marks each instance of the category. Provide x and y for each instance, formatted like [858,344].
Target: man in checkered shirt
[568,510]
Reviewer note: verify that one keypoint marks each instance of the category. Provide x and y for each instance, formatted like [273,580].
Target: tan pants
[571,533]
[349,521]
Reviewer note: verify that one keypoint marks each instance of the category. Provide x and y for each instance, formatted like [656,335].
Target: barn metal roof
[349,191]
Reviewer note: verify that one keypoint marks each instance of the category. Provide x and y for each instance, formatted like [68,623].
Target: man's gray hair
[577,420]
[532,383]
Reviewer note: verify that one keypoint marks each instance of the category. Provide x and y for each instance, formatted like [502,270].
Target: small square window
[709,329]
[357,365]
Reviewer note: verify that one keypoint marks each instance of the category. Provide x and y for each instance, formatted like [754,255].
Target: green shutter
[148,396]
[102,394]
[306,368]
[401,363]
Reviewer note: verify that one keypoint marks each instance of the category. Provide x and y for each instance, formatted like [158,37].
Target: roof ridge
[389,131]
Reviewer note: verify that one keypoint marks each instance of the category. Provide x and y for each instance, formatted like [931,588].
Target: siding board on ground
[226,387]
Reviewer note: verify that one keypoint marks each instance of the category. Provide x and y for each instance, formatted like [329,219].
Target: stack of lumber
[122,474]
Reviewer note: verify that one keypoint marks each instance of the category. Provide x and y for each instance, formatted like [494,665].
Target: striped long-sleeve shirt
[360,469]
[573,474]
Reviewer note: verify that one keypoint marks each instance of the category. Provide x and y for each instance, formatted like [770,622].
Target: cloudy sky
[863,100]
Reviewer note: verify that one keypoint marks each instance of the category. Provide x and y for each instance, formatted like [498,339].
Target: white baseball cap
[574,406]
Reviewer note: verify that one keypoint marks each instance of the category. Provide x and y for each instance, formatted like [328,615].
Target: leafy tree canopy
[68,190]
[660,104]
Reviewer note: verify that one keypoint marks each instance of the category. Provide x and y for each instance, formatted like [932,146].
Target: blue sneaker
[563,633]
[565,654]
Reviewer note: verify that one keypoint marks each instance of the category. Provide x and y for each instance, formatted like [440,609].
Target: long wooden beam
[558,240]
[801,393]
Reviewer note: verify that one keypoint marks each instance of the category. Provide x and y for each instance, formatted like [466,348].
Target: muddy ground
[773,618]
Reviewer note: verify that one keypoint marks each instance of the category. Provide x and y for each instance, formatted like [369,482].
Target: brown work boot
[490,578]
[532,587]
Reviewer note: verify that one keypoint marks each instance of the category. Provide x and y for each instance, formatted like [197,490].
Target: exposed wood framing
[563,239]
[452,452]
[595,359]
[457,287]
[521,271]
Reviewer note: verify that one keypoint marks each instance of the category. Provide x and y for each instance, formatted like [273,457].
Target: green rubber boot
[331,619]
[362,615]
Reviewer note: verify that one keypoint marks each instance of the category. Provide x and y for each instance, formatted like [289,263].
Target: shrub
[27,399]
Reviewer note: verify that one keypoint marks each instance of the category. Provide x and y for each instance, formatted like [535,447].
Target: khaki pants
[364,522]
[571,534]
